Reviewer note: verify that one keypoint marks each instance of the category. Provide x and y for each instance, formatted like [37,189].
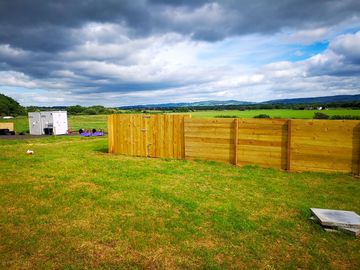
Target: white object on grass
[51,120]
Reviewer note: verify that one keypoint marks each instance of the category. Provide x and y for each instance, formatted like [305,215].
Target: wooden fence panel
[211,139]
[325,145]
[262,142]
[296,145]
[147,135]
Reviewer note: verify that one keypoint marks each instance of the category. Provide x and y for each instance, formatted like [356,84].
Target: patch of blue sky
[15,89]
[254,51]
[353,29]
[303,52]
[251,52]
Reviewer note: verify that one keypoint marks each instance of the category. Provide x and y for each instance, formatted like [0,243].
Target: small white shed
[52,123]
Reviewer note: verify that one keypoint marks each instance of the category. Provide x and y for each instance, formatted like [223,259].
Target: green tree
[77,109]
[9,106]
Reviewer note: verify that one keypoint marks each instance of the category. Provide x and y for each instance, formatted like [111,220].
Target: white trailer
[52,123]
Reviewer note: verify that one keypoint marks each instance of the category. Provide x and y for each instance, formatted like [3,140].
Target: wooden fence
[294,145]
[147,135]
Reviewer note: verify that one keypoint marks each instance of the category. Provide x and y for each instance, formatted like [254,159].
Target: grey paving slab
[336,218]
[352,231]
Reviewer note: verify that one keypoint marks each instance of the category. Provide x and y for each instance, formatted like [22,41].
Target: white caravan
[50,123]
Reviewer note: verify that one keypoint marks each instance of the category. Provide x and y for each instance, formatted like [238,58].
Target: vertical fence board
[177,133]
[110,134]
[146,135]
[289,145]
[236,133]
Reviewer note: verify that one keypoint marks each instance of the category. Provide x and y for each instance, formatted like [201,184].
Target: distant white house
[51,123]
[8,117]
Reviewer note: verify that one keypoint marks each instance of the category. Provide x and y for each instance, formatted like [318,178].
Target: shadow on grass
[102,149]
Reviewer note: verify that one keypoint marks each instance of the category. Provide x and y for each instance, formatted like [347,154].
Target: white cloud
[308,36]
[173,68]
[13,78]
[206,17]
[7,51]
[347,45]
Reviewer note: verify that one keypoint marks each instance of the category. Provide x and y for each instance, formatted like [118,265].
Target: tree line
[9,106]
[346,105]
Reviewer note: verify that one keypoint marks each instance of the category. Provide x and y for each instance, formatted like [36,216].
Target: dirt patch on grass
[206,243]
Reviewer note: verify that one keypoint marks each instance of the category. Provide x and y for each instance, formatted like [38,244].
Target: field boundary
[287,144]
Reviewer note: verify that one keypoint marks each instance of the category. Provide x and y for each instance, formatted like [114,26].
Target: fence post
[358,172]
[236,140]
[110,133]
[183,154]
[289,145]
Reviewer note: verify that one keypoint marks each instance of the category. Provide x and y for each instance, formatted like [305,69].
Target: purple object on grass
[88,134]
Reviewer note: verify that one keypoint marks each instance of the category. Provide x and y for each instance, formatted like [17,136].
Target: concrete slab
[337,218]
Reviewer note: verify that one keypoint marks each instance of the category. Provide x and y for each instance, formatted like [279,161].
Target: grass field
[73,206]
[100,121]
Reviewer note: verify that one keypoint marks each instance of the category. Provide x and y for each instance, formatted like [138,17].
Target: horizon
[131,53]
[184,102]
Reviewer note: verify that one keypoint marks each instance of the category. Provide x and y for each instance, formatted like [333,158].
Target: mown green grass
[73,206]
[87,122]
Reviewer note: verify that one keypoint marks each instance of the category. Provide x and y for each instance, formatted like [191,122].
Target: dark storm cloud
[43,25]
[40,38]
[47,41]
[46,26]
[69,13]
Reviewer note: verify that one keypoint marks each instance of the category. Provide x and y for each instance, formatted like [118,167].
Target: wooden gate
[147,135]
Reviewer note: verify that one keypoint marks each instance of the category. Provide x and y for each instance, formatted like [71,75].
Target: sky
[117,52]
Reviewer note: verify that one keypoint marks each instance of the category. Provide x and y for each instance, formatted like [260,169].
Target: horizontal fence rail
[294,145]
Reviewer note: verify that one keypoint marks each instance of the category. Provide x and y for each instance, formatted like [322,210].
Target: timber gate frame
[147,135]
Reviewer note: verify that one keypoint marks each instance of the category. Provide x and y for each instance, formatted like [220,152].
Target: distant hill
[189,104]
[210,103]
[9,106]
[312,100]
